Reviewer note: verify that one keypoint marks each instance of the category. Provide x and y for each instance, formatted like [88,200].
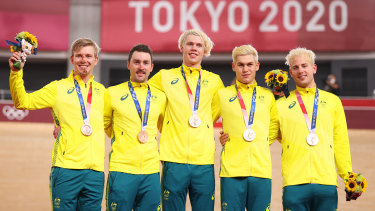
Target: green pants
[179,178]
[138,192]
[310,197]
[252,193]
[76,189]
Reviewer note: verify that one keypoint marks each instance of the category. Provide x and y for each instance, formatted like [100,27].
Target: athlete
[314,137]
[187,146]
[77,102]
[133,112]
[248,111]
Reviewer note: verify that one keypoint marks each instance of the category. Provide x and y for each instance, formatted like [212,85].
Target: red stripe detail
[89,96]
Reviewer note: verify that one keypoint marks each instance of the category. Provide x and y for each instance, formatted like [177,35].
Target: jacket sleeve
[215,105]
[156,82]
[341,141]
[43,98]
[162,113]
[108,114]
[274,131]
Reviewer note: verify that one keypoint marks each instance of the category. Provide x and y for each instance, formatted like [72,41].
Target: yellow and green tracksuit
[241,158]
[134,179]
[246,165]
[309,172]
[179,142]
[74,155]
[123,124]
[188,153]
[301,162]
[72,149]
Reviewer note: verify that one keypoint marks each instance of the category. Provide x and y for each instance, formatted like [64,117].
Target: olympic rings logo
[12,113]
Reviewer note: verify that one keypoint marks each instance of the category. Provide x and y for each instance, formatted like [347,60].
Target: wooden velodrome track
[25,155]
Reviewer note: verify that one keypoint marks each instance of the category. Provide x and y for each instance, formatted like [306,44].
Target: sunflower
[32,39]
[281,79]
[363,185]
[269,76]
[352,176]
[351,186]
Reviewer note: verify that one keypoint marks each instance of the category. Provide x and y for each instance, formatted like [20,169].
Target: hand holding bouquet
[355,185]
[26,44]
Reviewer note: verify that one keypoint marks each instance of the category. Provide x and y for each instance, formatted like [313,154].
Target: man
[132,113]
[187,146]
[77,177]
[313,137]
[248,111]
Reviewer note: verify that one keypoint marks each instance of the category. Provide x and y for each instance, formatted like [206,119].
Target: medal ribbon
[85,111]
[248,123]
[138,107]
[311,126]
[193,102]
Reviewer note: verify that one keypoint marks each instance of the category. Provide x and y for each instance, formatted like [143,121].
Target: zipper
[140,160]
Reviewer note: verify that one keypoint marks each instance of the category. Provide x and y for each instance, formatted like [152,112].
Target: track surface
[25,156]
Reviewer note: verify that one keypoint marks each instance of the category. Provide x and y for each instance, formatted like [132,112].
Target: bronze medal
[143,137]
[194,120]
[86,129]
[249,134]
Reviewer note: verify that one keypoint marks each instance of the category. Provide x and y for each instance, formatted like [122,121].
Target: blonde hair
[309,54]
[83,42]
[207,43]
[244,50]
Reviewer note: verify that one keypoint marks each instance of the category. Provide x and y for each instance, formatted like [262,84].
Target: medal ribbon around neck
[248,122]
[138,107]
[85,111]
[311,126]
[193,102]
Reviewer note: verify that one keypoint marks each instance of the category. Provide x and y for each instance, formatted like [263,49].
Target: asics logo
[124,97]
[12,113]
[292,104]
[70,90]
[175,81]
[232,99]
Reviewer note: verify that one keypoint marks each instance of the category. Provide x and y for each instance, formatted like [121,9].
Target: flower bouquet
[355,185]
[277,80]
[26,43]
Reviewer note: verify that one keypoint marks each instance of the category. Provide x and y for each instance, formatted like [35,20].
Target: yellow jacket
[181,143]
[301,162]
[72,149]
[240,158]
[123,124]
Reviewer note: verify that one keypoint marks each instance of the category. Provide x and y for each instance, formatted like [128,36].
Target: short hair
[309,54]
[83,42]
[207,43]
[140,48]
[244,50]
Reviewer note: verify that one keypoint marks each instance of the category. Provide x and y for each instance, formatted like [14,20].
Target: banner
[269,25]
[10,114]
[47,20]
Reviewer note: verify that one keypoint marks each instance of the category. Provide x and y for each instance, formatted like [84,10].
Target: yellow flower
[351,186]
[11,49]
[281,78]
[269,76]
[352,176]
[363,185]
[32,39]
